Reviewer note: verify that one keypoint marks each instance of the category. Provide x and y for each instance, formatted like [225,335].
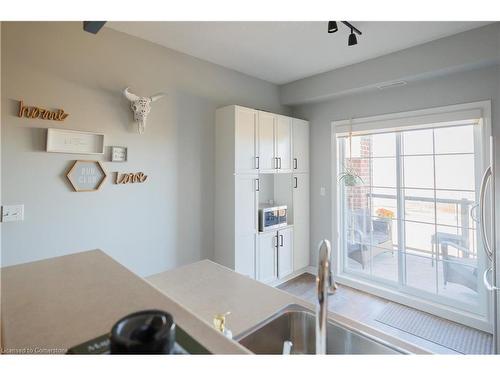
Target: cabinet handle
[296,180]
[281,240]
[257,184]
[275,160]
[257,162]
[279,163]
[295,164]
[275,241]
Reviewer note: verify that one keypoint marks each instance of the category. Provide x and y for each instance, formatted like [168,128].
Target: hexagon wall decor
[86,175]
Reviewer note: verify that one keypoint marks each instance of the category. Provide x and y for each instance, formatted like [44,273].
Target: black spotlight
[332,27]
[352,39]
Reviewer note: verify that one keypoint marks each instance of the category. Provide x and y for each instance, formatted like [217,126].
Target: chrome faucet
[325,285]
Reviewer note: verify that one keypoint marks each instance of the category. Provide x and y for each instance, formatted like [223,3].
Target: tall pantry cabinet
[261,157]
[300,195]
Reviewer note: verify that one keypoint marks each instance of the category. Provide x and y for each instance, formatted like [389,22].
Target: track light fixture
[332,27]
[352,40]
[93,26]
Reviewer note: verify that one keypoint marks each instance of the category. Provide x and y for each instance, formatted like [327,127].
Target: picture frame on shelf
[119,154]
[74,142]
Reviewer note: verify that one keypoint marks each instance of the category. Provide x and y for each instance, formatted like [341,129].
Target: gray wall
[148,227]
[455,88]
[464,51]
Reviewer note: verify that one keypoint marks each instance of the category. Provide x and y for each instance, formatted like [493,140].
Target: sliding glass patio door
[407,203]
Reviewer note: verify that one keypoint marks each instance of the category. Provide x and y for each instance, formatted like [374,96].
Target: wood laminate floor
[356,305]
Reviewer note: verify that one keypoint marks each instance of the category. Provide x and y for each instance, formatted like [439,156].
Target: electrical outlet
[322,191]
[13,213]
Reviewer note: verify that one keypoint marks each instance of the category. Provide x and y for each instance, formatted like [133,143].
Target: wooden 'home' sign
[41,113]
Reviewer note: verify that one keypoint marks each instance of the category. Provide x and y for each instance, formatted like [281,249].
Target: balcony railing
[464,224]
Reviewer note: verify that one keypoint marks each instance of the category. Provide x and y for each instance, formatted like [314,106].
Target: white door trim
[476,321]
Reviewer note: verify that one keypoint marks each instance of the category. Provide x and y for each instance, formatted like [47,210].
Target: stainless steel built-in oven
[272,217]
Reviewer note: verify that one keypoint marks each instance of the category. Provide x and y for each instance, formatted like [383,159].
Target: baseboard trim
[312,270]
[290,277]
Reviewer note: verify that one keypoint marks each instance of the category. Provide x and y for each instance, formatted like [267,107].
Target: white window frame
[405,121]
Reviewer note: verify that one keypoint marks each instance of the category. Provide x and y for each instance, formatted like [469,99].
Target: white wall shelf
[74,142]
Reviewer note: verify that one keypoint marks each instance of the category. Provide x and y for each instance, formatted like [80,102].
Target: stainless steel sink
[297,324]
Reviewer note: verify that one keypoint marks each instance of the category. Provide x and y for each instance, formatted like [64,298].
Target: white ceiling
[281,52]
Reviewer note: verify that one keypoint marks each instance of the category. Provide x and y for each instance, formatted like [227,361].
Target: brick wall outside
[357,195]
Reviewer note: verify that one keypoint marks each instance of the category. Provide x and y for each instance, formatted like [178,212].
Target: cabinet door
[266,257]
[267,161]
[246,198]
[283,136]
[245,141]
[244,255]
[300,183]
[301,249]
[300,144]
[285,252]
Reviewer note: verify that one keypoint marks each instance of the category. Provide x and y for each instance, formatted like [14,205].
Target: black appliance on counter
[142,332]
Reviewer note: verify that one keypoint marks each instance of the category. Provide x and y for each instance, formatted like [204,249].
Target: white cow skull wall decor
[141,105]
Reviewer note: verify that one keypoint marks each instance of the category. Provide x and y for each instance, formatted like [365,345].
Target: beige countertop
[54,304]
[208,288]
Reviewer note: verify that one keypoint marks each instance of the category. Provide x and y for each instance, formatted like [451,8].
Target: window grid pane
[438,193]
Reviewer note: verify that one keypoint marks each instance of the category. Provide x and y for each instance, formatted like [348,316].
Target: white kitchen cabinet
[285,252]
[244,257]
[245,140]
[301,245]
[236,185]
[267,257]
[245,223]
[266,153]
[274,256]
[300,141]
[301,220]
[246,202]
[254,162]
[274,143]
[300,196]
[283,142]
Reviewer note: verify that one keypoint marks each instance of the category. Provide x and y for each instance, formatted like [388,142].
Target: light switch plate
[322,191]
[13,213]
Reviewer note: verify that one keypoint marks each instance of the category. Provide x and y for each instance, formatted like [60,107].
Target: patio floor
[421,274]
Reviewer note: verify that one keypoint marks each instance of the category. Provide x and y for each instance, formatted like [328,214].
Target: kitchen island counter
[207,288]
[51,305]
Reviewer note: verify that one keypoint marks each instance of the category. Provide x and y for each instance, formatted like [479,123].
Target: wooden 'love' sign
[130,178]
